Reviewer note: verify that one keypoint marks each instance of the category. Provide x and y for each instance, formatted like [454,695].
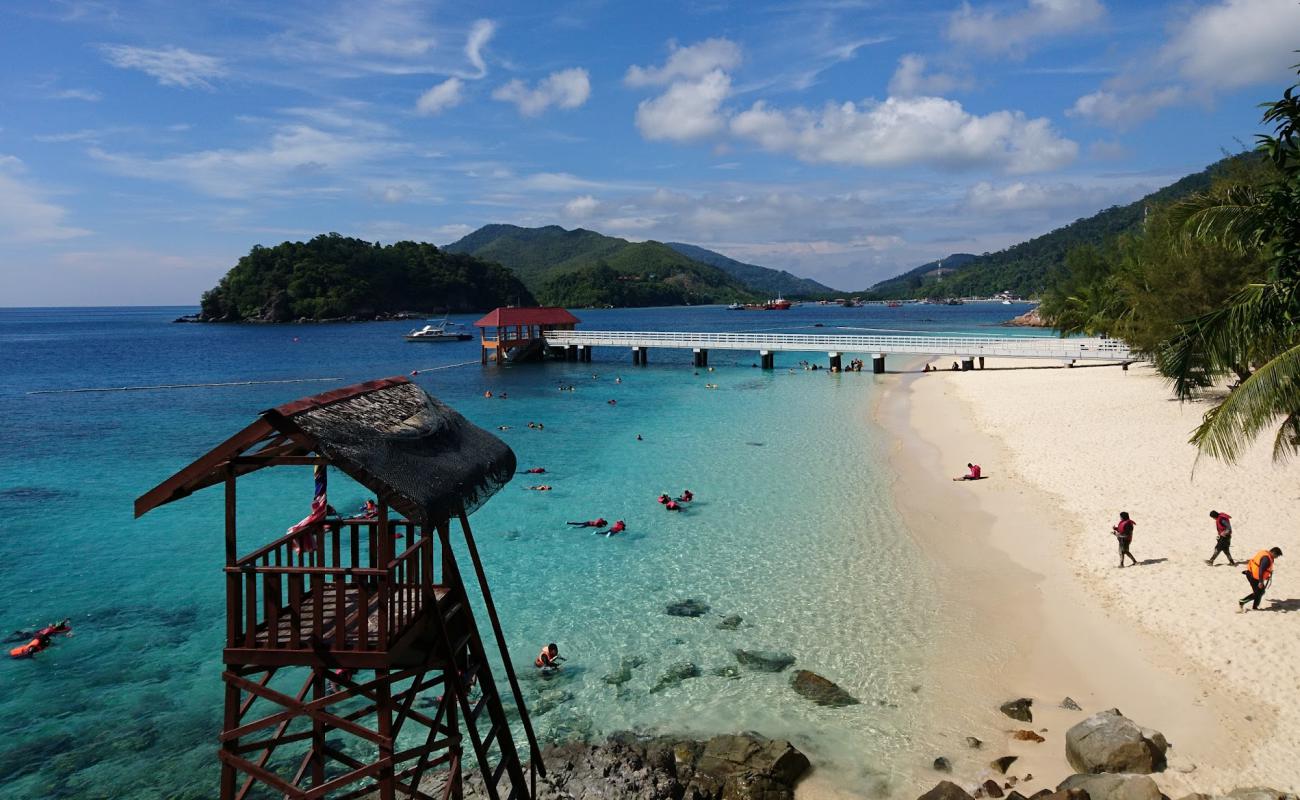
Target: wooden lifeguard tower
[518,334]
[332,634]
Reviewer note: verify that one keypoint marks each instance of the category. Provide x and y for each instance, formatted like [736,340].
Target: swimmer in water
[503,427]
[617,527]
[612,402]
[488,394]
[62,626]
[541,487]
[639,439]
[599,522]
[664,498]
[369,509]
[686,496]
[535,471]
[671,505]
[548,661]
[618,380]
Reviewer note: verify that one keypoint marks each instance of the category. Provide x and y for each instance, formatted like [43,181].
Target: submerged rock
[726,671]
[1018,709]
[942,764]
[1113,787]
[764,660]
[1110,742]
[820,690]
[946,790]
[730,622]
[689,607]
[1003,764]
[675,674]
[548,700]
[623,673]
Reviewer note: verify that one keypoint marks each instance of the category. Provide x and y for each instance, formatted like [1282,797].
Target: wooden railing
[283,597]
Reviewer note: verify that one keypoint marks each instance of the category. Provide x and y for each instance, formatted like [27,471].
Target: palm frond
[1230,217]
[1272,391]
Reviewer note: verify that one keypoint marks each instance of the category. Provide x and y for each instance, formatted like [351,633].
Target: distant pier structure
[519,334]
[353,663]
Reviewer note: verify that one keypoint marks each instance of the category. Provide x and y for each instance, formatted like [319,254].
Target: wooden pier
[966,349]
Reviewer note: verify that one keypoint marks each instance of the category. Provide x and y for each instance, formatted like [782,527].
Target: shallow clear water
[792,529]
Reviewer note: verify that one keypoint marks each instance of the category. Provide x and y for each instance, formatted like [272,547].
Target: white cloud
[296,160]
[688,110]
[88,95]
[1236,43]
[171,66]
[479,35]
[687,63]
[911,79]
[581,207]
[567,88]
[441,97]
[900,131]
[391,28]
[1124,109]
[26,216]
[556,182]
[996,32]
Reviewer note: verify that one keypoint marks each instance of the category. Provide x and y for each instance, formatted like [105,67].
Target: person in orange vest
[1124,533]
[549,659]
[1259,571]
[31,648]
[1223,544]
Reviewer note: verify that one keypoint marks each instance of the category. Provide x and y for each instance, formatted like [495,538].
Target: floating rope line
[178,386]
[446,366]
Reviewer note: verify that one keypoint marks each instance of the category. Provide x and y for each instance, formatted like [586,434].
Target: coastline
[1013,562]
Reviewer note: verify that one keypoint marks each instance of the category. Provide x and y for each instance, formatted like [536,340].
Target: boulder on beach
[946,790]
[1110,742]
[973,743]
[820,690]
[1018,709]
[942,764]
[689,607]
[1069,705]
[1113,786]
[764,660]
[1003,764]
[1027,736]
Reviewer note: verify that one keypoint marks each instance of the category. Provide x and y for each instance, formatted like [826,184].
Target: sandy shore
[1026,566]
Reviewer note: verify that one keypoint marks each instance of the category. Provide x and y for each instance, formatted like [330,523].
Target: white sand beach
[1029,555]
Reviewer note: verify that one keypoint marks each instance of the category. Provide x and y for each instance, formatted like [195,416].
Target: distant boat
[437,333]
[779,304]
[1006,302]
[956,301]
[893,304]
[736,307]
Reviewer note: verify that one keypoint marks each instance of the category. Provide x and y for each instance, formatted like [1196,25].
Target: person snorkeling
[599,522]
[535,471]
[686,496]
[63,626]
[618,527]
[30,649]
[672,505]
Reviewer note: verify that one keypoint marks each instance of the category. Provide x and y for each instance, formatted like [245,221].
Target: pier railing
[1095,349]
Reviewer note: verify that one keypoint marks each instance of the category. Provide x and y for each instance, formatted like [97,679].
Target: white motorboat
[437,333]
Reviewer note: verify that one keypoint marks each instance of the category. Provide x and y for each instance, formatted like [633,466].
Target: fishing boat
[779,304]
[894,304]
[437,333]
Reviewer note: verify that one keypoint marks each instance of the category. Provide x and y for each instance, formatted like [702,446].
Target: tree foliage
[335,276]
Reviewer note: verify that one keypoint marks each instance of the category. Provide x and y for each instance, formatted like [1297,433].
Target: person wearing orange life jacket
[1259,571]
[1124,533]
[1223,544]
[31,648]
[549,659]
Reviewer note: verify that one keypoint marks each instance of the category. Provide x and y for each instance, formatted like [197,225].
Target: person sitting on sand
[599,522]
[1223,541]
[543,487]
[548,661]
[1123,531]
[1259,571]
[973,473]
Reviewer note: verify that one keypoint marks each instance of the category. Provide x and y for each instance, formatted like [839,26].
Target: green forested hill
[583,268]
[333,276]
[1023,269]
[762,279]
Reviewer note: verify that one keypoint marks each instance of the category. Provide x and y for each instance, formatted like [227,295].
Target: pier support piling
[584,353]
[878,364]
[767,359]
[981,362]
[571,353]
[636,356]
[835,361]
[967,364]
[701,357]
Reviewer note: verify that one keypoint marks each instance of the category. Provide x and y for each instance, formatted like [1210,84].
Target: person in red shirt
[1223,528]
[973,475]
[1124,533]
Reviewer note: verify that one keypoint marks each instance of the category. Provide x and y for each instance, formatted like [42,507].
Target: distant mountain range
[1023,269]
[581,267]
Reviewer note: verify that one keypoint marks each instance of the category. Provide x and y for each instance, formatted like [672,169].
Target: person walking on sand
[1124,533]
[1259,571]
[1222,527]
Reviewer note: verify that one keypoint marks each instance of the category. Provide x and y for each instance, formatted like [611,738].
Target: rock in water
[991,788]
[687,608]
[942,764]
[730,623]
[675,674]
[973,743]
[820,690]
[1069,705]
[623,674]
[1003,764]
[764,660]
[946,790]
[1113,787]
[1018,709]
[1110,742]
[727,671]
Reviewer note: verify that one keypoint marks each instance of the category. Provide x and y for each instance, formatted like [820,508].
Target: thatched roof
[392,437]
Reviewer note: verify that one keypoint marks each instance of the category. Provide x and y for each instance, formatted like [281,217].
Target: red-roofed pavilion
[517,334]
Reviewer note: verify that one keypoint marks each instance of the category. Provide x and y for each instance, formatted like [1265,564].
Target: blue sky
[145,146]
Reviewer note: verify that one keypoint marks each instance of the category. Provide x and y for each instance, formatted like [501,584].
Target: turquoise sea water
[793,529]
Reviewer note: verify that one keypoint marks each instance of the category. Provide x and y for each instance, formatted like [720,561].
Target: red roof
[504,317]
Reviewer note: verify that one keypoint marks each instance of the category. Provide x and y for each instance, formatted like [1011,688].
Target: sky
[145,146]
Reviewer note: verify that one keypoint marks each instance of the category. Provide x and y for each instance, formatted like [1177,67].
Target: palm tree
[1255,336]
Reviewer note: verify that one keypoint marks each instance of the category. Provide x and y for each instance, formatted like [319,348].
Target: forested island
[335,277]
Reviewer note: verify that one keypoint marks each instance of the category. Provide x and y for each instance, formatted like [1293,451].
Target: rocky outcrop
[764,660]
[1029,319]
[627,767]
[1018,709]
[1113,786]
[1110,742]
[820,690]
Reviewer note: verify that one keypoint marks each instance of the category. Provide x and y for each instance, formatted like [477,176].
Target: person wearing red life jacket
[1259,571]
[618,527]
[974,473]
[1124,533]
[672,505]
[599,522]
[1223,542]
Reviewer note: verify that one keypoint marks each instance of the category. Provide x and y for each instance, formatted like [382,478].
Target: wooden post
[384,717]
[233,611]
[318,728]
[231,722]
